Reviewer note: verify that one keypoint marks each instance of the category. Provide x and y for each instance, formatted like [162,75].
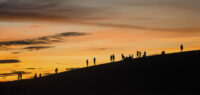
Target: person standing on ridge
[35,77]
[113,57]
[145,54]
[40,75]
[163,52]
[139,54]
[20,75]
[94,61]
[56,70]
[87,62]
[181,47]
[123,57]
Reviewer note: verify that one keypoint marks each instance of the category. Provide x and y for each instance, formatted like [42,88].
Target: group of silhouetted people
[181,48]
[40,75]
[112,57]
[35,77]
[139,54]
[125,57]
[94,61]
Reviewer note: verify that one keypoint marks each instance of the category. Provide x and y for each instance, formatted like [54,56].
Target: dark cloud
[4,48]
[13,73]
[9,61]
[31,68]
[37,47]
[45,10]
[100,49]
[185,12]
[16,52]
[41,40]
[140,27]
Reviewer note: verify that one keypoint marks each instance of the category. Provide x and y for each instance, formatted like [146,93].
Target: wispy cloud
[37,47]
[40,41]
[127,12]
[13,73]
[31,68]
[100,49]
[8,61]
[51,10]
[16,52]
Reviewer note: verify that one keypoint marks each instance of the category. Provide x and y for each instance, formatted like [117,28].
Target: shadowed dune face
[170,73]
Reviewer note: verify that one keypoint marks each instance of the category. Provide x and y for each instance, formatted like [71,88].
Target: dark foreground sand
[176,73]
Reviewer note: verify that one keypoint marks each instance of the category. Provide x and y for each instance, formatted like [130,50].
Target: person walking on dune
[40,75]
[56,70]
[87,62]
[94,61]
[123,57]
[113,58]
[181,47]
[35,77]
[139,54]
[145,54]
[19,76]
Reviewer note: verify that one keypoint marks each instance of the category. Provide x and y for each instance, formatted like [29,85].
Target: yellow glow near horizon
[72,52]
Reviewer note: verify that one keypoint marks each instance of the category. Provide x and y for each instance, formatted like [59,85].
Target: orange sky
[68,33]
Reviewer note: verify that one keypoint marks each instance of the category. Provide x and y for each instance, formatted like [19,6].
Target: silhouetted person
[87,62]
[123,57]
[181,47]
[145,54]
[113,57]
[56,70]
[40,75]
[132,55]
[19,76]
[137,53]
[35,77]
[163,52]
[94,61]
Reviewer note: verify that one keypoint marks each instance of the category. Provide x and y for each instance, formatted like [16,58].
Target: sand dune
[171,73]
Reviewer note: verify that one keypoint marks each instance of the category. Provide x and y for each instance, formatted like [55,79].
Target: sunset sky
[37,36]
